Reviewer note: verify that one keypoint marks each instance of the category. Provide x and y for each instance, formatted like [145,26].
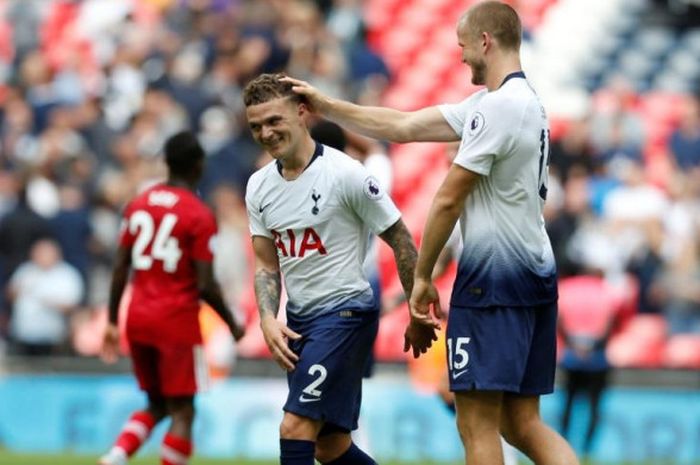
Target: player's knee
[157,407]
[326,453]
[329,448]
[297,427]
[471,427]
[181,410]
[518,433]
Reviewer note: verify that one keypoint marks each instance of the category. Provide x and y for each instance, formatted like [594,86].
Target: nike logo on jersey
[264,207]
[308,399]
[458,374]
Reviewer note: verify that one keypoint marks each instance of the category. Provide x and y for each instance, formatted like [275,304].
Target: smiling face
[472,51]
[278,126]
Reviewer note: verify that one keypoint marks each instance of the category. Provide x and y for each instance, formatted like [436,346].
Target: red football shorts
[169,369]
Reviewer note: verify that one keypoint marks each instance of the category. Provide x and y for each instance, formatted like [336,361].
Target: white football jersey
[320,223]
[507,259]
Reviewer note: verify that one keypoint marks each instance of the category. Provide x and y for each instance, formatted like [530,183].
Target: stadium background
[90,89]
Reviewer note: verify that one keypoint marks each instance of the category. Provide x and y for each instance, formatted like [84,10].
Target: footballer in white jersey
[311,212]
[320,224]
[507,259]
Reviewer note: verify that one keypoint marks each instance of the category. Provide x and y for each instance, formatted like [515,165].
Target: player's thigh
[487,348]
[182,369]
[144,362]
[327,381]
[538,377]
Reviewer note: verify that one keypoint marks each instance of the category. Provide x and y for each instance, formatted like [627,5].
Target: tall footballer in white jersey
[311,211]
[507,259]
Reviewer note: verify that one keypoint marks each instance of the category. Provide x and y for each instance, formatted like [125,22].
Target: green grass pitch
[7,458]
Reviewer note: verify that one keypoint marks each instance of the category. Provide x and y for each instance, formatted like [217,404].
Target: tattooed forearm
[267,292]
[405,253]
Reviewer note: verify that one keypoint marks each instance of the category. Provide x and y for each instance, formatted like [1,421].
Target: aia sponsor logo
[289,243]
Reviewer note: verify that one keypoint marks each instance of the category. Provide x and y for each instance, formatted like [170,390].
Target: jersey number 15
[164,246]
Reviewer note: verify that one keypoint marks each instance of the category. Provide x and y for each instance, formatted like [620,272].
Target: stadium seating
[640,344]
[682,351]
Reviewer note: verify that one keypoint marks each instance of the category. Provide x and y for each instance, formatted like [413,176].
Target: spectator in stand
[685,140]
[617,130]
[563,223]
[681,288]
[44,291]
[631,208]
[588,308]
[573,151]
[72,229]
[19,230]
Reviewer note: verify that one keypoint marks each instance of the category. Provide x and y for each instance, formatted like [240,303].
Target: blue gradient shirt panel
[506,259]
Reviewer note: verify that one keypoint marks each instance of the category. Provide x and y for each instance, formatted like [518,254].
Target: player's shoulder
[339,159]
[140,200]
[179,200]
[260,177]
[513,95]
[468,103]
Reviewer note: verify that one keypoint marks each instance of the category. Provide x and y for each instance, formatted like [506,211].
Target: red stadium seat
[640,344]
[682,351]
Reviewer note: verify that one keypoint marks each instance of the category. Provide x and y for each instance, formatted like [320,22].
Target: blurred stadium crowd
[90,90]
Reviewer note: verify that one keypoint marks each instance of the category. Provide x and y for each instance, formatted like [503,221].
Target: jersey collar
[517,74]
[318,151]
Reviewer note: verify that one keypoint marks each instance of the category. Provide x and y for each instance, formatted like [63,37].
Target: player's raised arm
[120,276]
[427,124]
[268,288]
[210,292]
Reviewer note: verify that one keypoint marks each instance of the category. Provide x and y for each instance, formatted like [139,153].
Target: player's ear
[303,109]
[486,40]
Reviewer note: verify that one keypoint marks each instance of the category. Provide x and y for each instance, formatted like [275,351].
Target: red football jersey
[167,229]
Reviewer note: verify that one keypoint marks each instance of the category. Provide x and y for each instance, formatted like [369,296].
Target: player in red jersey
[165,240]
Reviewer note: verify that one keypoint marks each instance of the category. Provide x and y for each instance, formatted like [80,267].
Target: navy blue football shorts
[510,349]
[333,355]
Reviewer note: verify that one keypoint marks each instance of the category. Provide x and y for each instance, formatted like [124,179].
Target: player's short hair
[182,153]
[500,20]
[330,134]
[268,87]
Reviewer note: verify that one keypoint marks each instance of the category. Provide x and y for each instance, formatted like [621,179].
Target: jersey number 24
[164,246]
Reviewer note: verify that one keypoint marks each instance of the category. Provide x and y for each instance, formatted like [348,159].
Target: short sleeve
[455,114]
[370,201]
[487,135]
[204,230]
[255,221]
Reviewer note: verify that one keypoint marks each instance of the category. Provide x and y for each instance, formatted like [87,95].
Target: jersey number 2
[164,247]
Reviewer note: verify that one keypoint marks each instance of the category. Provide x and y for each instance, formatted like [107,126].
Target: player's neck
[294,165]
[499,69]
[181,183]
